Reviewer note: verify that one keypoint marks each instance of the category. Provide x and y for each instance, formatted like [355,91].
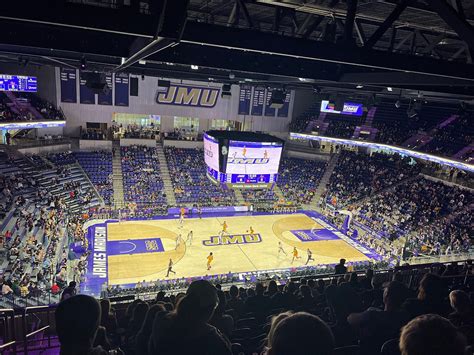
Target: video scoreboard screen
[349,108]
[253,162]
[18,83]
[211,152]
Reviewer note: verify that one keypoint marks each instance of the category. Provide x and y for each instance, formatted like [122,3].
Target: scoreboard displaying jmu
[18,83]
[242,159]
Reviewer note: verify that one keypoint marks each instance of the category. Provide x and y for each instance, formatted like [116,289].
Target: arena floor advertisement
[126,252]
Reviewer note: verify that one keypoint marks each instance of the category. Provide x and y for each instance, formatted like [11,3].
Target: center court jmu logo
[250,161]
[232,239]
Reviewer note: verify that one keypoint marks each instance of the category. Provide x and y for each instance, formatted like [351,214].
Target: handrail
[7,345]
[37,331]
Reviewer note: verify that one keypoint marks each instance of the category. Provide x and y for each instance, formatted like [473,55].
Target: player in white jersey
[178,241]
[181,220]
[280,249]
[189,238]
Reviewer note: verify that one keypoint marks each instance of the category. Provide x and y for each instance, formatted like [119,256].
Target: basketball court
[127,252]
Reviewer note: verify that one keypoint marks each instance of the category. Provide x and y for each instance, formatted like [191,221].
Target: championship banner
[68,85]
[86,95]
[245,96]
[105,98]
[284,110]
[258,101]
[121,89]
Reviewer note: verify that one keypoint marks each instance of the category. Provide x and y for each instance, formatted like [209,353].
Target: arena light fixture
[389,89]
[359,86]
[194,67]
[83,62]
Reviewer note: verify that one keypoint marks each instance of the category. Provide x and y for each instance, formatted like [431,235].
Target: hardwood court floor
[190,260]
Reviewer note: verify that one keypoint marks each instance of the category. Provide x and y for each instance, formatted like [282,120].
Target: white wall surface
[145,103]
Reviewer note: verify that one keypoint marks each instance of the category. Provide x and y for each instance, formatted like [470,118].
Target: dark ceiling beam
[394,15]
[245,11]
[80,16]
[304,25]
[393,37]
[230,20]
[232,42]
[405,39]
[360,32]
[317,21]
[314,26]
[153,47]
[271,44]
[398,79]
[350,18]
[431,45]
[449,15]
[276,19]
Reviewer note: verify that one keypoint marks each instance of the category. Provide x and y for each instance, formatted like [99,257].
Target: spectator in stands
[143,336]
[135,324]
[77,321]
[431,334]
[300,334]
[258,303]
[220,320]
[377,326]
[235,302]
[186,330]
[431,298]
[461,304]
[341,267]
[107,318]
[69,291]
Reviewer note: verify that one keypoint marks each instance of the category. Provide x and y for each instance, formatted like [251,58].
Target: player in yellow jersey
[244,152]
[224,227]
[210,258]
[295,255]
[251,231]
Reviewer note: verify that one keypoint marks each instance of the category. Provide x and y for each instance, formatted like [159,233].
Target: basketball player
[170,268]
[219,237]
[224,227]
[199,211]
[178,240]
[265,154]
[310,256]
[181,220]
[251,231]
[189,238]
[295,255]
[280,249]
[244,152]
[210,258]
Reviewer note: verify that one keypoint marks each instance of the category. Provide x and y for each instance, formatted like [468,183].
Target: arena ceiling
[322,45]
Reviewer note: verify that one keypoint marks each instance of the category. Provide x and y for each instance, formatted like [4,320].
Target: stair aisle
[165,175]
[117,177]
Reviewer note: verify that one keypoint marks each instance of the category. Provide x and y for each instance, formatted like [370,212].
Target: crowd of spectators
[299,178]
[35,239]
[22,111]
[412,206]
[395,126]
[264,196]
[358,175]
[188,176]
[142,175]
[452,138]
[350,313]
[341,126]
